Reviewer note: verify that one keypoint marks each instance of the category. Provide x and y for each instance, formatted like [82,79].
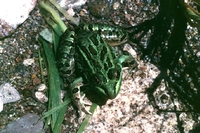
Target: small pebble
[28,62]
[71,12]
[198,54]
[41,87]
[41,97]
[1,50]
[116,5]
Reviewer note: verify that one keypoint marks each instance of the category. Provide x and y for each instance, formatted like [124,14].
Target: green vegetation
[56,108]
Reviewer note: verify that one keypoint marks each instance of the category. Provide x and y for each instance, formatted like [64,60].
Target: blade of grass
[53,80]
[61,106]
[55,27]
[193,14]
[55,41]
[57,128]
[67,16]
[41,68]
[46,9]
[85,122]
[197,2]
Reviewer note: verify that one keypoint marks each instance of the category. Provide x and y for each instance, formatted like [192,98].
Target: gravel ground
[16,49]
[129,112]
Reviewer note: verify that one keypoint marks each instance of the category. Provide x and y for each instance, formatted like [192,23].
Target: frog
[86,56]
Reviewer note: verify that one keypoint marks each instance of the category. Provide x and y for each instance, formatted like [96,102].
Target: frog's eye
[113,74]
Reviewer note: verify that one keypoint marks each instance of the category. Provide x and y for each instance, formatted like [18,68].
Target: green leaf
[67,16]
[56,38]
[85,122]
[193,15]
[53,80]
[57,128]
[48,11]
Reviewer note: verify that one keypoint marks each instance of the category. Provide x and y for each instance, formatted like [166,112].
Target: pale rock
[8,94]
[41,96]
[71,3]
[28,62]
[41,87]
[13,13]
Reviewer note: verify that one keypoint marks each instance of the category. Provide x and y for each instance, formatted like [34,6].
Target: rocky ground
[130,112]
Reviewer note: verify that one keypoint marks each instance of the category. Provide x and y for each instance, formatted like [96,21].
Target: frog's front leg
[77,97]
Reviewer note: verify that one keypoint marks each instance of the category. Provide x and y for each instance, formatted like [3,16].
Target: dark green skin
[113,35]
[65,56]
[98,65]
[85,54]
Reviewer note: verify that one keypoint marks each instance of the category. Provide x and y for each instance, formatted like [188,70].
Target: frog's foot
[83,103]
[77,97]
[80,103]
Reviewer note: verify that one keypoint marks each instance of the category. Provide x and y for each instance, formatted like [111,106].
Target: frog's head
[109,90]
[111,86]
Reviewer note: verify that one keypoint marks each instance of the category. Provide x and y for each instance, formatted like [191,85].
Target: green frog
[84,55]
